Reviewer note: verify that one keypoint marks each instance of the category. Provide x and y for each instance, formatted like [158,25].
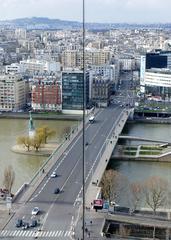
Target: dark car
[19,223]
[57,190]
[33,223]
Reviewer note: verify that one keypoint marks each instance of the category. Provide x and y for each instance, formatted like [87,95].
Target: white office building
[41,66]
[157,81]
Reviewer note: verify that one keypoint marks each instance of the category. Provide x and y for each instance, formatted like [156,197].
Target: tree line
[154,191]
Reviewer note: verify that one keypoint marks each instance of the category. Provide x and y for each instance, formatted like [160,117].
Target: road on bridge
[59,212]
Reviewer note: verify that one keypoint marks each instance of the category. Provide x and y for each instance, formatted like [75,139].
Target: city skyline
[129,11]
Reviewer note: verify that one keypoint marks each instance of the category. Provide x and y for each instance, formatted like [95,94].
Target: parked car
[33,223]
[35,211]
[56,191]
[19,223]
[53,175]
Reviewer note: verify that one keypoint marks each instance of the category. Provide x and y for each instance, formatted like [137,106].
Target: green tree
[26,141]
[9,177]
[46,132]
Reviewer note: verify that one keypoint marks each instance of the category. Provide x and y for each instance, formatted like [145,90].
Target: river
[139,171]
[25,166]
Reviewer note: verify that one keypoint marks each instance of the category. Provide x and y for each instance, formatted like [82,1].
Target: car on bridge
[53,175]
[56,191]
[92,119]
[35,211]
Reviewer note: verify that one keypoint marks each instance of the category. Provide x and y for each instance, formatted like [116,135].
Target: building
[101,91]
[12,92]
[74,58]
[157,82]
[154,60]
[72,91]
[13,68]
[46,96]
[127,63]
[20,33]
[69,58]
[39,66]
[110,71]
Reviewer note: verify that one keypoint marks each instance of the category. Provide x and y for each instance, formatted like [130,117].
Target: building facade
[72,90]
[158,82]
[46,96]
[41,66]
[12,92]
[100,91]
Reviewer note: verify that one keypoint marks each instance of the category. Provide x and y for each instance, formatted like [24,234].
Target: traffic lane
[60,217]
[63,158]
[25,214]
[73,153]
[90,158]
[62,168]
[70,190]
[63,171]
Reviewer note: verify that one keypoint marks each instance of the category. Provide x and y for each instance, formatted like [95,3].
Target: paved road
[59,212]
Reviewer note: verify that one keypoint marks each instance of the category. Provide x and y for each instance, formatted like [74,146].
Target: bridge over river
[60,212]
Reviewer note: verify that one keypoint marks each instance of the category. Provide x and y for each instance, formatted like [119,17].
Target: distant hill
[47,23]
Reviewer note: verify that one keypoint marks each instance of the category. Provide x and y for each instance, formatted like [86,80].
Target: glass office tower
[72,90]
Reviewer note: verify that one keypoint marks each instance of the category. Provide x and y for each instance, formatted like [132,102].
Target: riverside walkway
[136,138]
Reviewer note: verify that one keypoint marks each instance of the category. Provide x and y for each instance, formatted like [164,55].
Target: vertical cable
[83,179]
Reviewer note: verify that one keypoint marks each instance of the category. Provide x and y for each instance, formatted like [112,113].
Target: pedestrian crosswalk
[31,233]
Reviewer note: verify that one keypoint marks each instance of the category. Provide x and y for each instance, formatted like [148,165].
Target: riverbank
[150,153]
[41,116]
[45,150]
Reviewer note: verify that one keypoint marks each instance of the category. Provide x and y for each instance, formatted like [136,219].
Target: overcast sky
[131,11]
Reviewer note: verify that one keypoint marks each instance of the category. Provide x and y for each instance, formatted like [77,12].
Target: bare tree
[156,190]
[113,183]
[9,177]
[25,140]
[136,194]
[37,141]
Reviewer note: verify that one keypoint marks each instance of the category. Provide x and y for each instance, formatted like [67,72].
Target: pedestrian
[43,170]
[89,234]
[91,222]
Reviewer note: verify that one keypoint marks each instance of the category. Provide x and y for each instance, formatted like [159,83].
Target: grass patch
[129,153]
[131,148]
[151,148]
[149,153]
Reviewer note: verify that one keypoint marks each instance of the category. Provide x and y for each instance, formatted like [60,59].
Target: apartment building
[46,96]
[35,65]
[12,92]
